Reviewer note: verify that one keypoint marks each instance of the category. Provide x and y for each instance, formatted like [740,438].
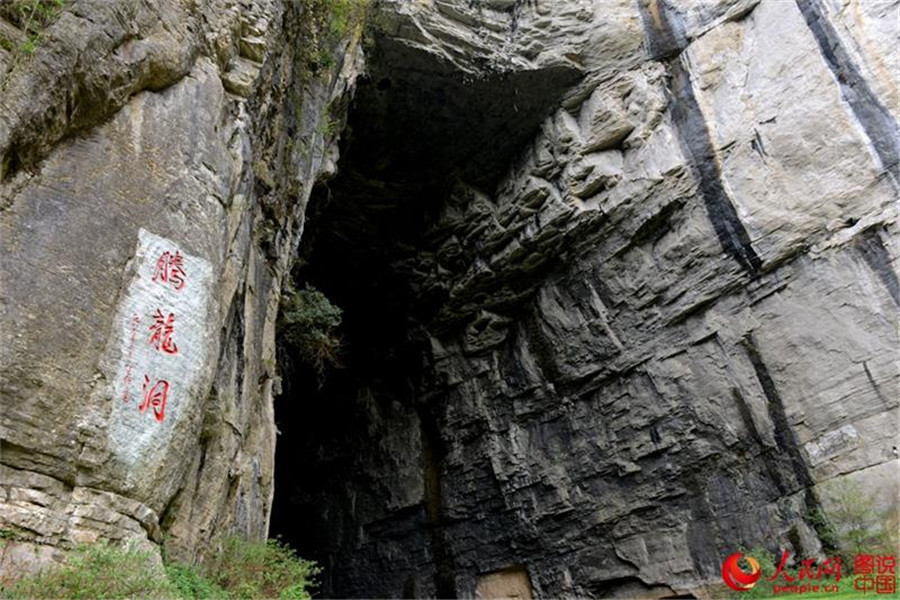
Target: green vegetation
[854,526]
[33,17]
[267,569]
[325,23]
[188,583]
[235,569]
[328,126]
[310,323]
[97,571]
[845,588]
[767,565]
[860,528]
[823,527]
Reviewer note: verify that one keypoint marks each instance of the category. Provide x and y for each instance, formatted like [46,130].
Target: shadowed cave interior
[344,496]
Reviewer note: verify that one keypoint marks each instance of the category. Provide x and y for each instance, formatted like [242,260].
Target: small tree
[861,526]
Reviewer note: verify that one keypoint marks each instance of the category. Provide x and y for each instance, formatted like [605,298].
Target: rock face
[619,283]
[654,336]
[155,159]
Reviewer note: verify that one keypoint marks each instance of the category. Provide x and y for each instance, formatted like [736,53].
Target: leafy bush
[310,322]
[860,526]
[266,569]
[97,571]
[191,585]
[767,565]
[235,569]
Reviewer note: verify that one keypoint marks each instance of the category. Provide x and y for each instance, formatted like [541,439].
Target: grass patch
[268,569]
[839,590]
[32,17]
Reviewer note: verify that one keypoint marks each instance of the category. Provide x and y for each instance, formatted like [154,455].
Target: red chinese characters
[155,397]
[878,573]
[161,333]
[170,269]
[831,567]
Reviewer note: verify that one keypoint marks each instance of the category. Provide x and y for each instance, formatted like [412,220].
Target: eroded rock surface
[656,336]
[619,282]
[156,157]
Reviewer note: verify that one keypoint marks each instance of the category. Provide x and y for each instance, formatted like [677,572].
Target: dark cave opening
[415,127]
[324,420]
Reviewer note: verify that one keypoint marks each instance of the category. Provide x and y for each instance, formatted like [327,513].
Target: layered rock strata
[619,283]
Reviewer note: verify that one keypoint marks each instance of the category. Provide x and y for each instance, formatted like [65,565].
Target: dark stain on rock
[746,416]
[664,28]
[871,247]
[698,148]
[816,517]
[881,128]
[666,39]
[784,436]
[433,452]
[757,144]
[874,384]
[772,458]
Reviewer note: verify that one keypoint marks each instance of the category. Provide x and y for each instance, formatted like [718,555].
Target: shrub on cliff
[325,23]
[267,569]
[861,525]
[310,322]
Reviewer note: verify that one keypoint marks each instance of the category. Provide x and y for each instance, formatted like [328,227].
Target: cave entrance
[333,425]
[358,456]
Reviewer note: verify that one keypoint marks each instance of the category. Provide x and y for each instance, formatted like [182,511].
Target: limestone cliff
[137,130]
[619,282]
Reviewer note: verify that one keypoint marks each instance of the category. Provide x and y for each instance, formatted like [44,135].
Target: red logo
[735,577]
